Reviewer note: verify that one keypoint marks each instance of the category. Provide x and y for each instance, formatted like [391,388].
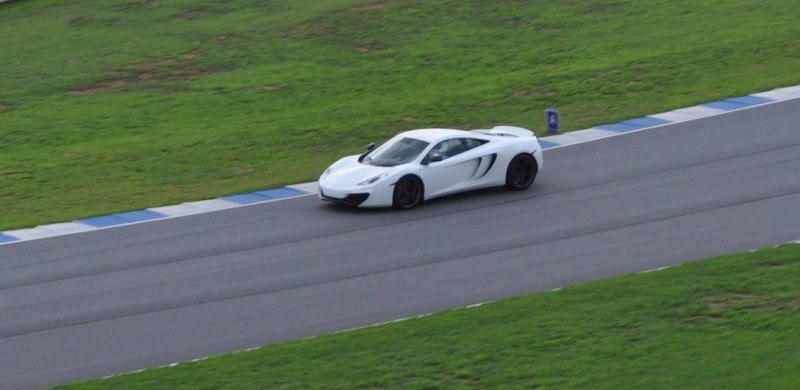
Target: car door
[448,175]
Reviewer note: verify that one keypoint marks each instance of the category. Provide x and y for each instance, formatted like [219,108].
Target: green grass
[113,105]
[728,322]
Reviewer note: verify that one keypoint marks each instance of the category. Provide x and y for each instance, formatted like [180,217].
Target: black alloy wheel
[521,172]
[407,193]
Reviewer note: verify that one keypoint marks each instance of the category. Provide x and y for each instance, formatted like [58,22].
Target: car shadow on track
[464,200]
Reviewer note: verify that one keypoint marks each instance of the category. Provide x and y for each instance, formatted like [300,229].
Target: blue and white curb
[293,191]
[675,116]
[156,213]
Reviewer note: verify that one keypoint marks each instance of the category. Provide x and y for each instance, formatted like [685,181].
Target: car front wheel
[407,193]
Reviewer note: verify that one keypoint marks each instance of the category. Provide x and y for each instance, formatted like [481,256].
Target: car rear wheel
[407,193]
[521,172]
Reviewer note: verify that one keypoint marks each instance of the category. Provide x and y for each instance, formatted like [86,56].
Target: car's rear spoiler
[507,131]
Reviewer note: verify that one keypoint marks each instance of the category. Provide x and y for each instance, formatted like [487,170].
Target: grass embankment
[728,322]
[112,105]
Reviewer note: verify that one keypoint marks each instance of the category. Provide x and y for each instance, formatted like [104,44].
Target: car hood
[349,172]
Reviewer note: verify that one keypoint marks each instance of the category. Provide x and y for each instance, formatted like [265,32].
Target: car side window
[455,146]
[449,148]
[472,143]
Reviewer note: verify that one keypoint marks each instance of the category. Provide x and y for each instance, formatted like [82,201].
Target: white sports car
[423,164]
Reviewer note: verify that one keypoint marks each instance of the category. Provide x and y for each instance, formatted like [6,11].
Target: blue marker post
[553,121]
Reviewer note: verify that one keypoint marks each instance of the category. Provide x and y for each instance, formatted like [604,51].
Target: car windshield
[396,152]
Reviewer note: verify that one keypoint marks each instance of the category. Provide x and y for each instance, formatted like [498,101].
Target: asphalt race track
[110,301]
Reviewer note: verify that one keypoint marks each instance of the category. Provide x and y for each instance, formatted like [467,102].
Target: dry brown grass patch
[167,70]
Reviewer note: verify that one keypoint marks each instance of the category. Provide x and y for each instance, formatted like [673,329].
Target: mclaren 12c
[418,165]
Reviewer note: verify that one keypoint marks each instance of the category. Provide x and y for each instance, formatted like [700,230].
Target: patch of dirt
[107,86]
[547,27]
[531,94]
[263,88]
[368,48]
[167,70]
[217,8]
[775,266]
[717,306]
[315,29]
[135,5]
[241,171]
[191,54]
[721,302]
[3,107]
[368,7]
[602,7]
[79,21]
[764,309]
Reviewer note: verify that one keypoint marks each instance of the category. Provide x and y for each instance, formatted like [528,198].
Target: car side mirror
[436,157]
[370,147]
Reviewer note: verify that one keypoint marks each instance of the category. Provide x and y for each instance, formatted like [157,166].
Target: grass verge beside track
[727,322]
[114,105]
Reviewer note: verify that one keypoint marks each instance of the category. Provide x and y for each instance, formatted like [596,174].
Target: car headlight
[372,179]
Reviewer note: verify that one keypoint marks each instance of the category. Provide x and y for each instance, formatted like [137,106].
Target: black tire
[521,172]
[408,193]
